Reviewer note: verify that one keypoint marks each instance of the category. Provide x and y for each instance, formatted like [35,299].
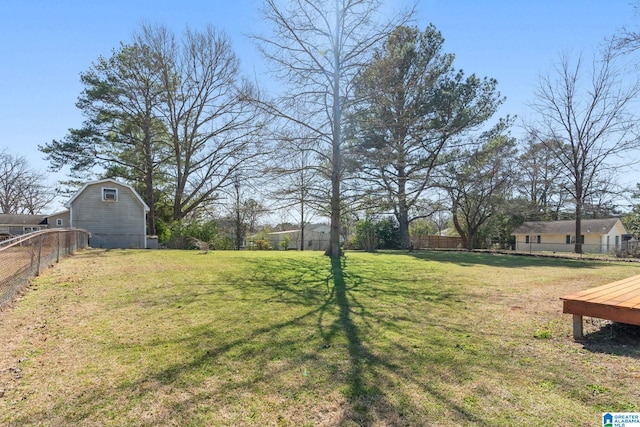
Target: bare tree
[627,40]
[22,189]
[584,119]
[540,181]
[478,182]
[244,211]
[211,124]
[317,48]
[298,182]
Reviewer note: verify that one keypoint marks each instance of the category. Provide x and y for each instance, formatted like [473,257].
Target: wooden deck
[617,301]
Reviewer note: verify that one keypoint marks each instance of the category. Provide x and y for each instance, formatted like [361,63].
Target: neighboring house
[13,225]
[111,211]
[316,238]
[598,235]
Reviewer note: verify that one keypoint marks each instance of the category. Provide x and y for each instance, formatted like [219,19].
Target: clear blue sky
[45,45]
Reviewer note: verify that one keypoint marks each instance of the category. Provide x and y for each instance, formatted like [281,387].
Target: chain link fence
[532,246]
[25,256]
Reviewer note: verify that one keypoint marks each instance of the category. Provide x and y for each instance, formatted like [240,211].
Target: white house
[598,235]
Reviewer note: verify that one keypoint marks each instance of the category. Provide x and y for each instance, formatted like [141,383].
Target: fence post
[58,248]
[39,254]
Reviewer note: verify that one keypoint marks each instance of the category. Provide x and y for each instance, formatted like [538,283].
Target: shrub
[263,245]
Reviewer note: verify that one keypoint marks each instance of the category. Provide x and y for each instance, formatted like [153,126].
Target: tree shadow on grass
[332,298]
[370,375]
[464,258]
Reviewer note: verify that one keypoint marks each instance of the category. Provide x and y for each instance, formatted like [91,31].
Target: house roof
[589,226]
[319,228]
[109,181]
[15,219]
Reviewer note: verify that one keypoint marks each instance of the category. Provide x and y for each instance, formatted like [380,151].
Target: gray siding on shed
[52,220]
[112,224]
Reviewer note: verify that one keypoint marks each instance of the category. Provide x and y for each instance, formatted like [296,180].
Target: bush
[284,243]
[388,232]
[263,245]
[382,234]
[184,234]
[366,237]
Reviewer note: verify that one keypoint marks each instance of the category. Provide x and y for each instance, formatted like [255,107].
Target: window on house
[59,222]
[110,194]
[30,229]
[571,239]
[538,239]
[526,239]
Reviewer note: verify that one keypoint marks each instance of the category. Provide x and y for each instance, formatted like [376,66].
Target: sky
[45,45]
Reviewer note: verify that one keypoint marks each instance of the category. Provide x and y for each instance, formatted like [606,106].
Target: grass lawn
[146,338]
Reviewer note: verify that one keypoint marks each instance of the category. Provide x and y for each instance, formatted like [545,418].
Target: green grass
[291,339]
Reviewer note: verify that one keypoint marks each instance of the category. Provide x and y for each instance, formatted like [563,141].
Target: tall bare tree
[584,119]
[540,182]
[172,115]
[22,189]
[298,186]
[211,123]
[317,48]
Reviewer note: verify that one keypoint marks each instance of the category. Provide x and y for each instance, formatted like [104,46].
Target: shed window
[571,239]
[59,222]
[110,194]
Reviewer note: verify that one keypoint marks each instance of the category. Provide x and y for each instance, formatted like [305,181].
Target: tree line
[369,117]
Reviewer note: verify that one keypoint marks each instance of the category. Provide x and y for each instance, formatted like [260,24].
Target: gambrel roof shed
[112,212]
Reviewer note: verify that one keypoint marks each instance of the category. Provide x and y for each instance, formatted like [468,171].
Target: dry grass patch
[290,339]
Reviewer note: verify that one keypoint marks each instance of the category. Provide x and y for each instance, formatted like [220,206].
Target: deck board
[617,301]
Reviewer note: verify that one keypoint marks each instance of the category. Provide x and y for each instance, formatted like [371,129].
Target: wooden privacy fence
[436,242]
[24,257]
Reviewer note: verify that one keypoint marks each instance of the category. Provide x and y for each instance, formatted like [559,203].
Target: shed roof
[589,226]
[110,181]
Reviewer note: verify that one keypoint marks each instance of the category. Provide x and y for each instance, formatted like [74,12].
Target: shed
[316,238]
[112,212]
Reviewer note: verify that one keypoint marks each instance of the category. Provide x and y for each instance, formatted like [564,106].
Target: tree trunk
[151,215]
[403,211]
[463,235]
[302,224]
[148,178]
[403,224]
[578,245]
[334,250]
